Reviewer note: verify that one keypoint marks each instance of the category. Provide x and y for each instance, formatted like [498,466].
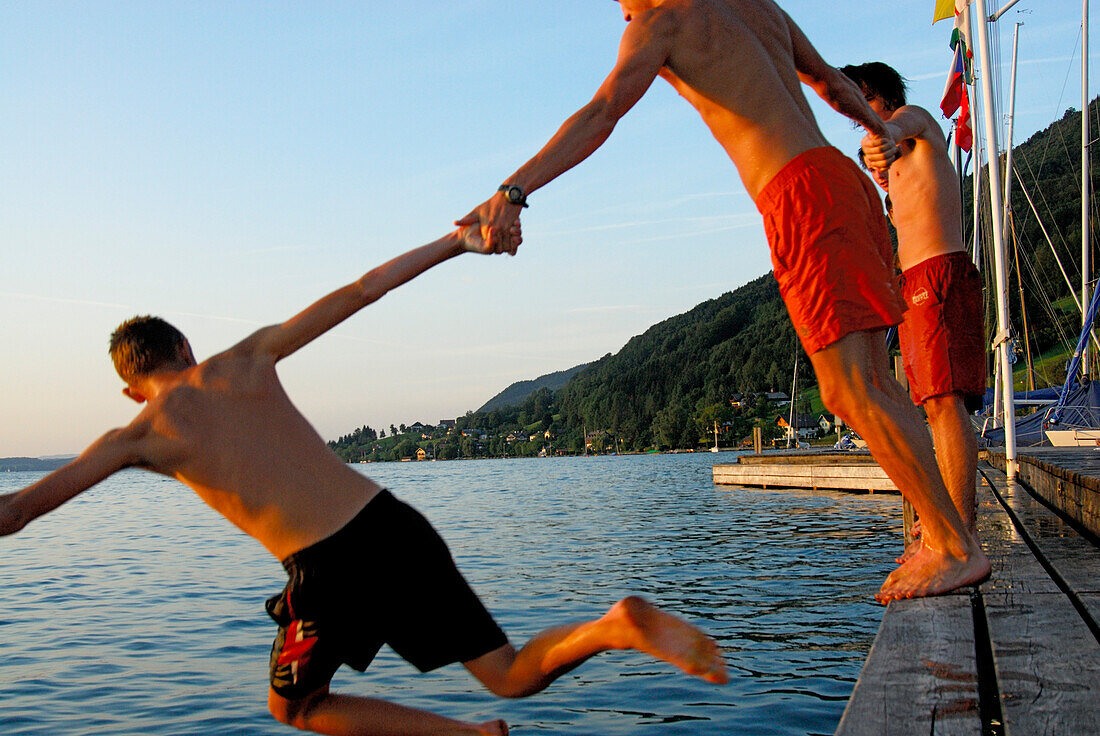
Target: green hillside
[518,392]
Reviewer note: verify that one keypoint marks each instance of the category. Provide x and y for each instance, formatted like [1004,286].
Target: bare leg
[956,452]
[957,458]
[856,384]
[329,713]
[632,623]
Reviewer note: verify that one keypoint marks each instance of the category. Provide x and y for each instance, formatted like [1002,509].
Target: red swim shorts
[943,335]
[830,248]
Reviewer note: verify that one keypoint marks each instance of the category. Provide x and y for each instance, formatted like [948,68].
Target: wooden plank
[811,457]
[1046,659]
[861,477]
[1076,559]
[1047,664]
[921,676]
[1015,568]
[1067,477]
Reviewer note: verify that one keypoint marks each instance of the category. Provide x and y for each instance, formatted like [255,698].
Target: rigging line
[1050,213]
[1023,303]
[1035,178]
[1057,258]
[1069,68]
[1046,301]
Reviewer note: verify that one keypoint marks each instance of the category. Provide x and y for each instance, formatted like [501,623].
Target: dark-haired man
[741,65]
[942,336]
[364,568]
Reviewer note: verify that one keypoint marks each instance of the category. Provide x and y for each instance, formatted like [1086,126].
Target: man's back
[738,64]
[227,429]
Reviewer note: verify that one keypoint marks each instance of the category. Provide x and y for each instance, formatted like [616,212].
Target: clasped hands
[498,221]
[880,150]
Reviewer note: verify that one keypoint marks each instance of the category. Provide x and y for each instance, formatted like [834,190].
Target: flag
[948,9]
[955,95]
[944,9]
[956,82]
[964,135]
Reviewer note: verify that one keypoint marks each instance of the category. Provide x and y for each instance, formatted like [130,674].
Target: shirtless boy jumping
[942,340]
[364,568]
[741,64]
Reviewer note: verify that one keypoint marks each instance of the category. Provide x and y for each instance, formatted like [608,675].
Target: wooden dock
[816,469]
[1068,478]
[1018,655]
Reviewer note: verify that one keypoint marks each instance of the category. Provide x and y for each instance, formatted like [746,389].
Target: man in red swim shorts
[741,66]
[942,340]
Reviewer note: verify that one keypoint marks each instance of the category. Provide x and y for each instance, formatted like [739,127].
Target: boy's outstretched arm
[118,449]
[281,340]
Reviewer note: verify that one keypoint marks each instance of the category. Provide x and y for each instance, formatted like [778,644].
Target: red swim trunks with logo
[943,335]
[830,248]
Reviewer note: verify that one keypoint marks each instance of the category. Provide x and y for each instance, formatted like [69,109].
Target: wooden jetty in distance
[845,470]
[1017,655]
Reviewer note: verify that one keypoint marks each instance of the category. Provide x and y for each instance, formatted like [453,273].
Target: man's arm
[281,340]
[643,50]
[907,123]
[109,454]
[831,85]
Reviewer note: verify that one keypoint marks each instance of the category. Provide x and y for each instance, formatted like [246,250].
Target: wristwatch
[513,194]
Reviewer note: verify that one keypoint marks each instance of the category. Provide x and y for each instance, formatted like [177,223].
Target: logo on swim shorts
[920,296]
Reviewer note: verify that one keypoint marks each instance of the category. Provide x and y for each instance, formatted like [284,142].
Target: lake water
[135,609]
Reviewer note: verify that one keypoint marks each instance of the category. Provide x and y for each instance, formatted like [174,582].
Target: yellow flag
[944,9]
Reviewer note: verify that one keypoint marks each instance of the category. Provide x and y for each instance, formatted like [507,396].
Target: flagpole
[1003,340]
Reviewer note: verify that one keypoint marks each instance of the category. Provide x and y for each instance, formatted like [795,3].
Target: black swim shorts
[385,578]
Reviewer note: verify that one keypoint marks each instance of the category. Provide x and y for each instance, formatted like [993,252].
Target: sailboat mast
[1011,119]
[794,394]
[1086,264]
[1003,340]
[1010,231]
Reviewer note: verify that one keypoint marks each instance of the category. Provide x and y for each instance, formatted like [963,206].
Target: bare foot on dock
[637,624]
[910,551]
[930,572]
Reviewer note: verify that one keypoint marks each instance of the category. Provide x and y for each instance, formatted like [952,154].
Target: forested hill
[519,391]
[666,382]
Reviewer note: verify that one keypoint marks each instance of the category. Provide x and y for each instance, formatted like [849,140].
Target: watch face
[515,195]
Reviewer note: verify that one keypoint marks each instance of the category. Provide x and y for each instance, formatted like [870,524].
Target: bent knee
[293,712]
[839,398]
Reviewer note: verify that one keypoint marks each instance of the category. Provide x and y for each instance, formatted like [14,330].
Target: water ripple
[137,610]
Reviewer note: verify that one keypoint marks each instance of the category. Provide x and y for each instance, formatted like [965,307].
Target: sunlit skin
[924,190]
[703,49]
[741,64]
[226,428]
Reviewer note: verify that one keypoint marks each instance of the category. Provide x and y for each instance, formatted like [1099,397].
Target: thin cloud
[63,300]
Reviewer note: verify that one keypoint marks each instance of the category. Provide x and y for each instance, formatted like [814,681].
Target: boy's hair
[141,346]
[879,80]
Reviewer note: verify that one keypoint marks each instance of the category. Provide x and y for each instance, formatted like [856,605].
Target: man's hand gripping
[496,221]
[476,237]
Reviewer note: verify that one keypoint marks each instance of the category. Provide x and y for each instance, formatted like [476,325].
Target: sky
[223,165]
